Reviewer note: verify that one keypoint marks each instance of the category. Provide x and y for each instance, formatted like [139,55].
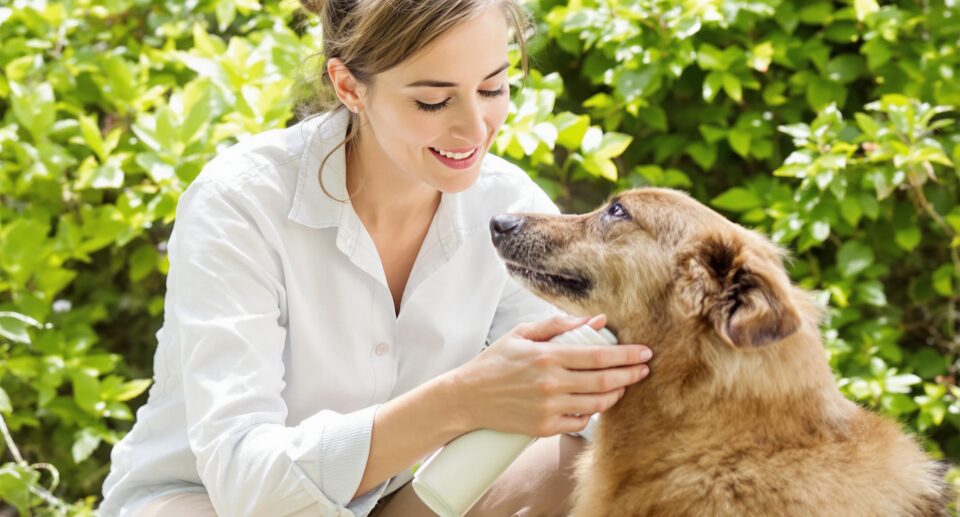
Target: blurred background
[831,126]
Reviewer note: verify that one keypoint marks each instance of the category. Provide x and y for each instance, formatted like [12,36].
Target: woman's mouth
[457,159]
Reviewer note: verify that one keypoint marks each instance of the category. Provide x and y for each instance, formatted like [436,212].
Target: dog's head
[651,258]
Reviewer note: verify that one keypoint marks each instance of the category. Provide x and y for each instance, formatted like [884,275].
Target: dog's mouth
[557,283]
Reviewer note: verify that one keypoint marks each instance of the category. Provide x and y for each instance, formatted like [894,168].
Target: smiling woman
[331,285]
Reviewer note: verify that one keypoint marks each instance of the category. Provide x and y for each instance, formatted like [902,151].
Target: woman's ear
[743,295]
[349,90]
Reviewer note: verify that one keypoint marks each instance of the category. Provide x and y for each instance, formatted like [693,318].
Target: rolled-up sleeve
[228,289]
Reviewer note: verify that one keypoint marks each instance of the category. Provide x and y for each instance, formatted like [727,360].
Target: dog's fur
[740,414]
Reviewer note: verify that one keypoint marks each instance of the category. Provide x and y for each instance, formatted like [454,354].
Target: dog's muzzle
[503,225]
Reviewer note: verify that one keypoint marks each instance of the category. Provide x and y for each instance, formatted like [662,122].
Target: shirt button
[381,349]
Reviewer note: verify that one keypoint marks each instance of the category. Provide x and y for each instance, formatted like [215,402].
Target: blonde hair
[372,36]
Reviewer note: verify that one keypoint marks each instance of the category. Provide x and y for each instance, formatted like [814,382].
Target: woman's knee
[539,483]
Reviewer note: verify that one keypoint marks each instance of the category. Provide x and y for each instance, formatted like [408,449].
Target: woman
[332,283]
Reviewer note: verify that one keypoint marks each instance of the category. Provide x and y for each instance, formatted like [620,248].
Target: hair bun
[314,6]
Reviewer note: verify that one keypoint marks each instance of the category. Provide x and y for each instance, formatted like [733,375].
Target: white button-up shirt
[280,338]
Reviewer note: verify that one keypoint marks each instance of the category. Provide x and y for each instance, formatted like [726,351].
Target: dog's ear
[742,294]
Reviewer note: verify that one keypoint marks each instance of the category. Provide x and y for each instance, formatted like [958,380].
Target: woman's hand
[521,384]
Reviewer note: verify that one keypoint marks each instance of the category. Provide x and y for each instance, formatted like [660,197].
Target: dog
[740,414]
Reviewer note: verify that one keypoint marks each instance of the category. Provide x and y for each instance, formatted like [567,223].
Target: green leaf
[703,153]
[143,261]
[871,293]
[907,237]
[942,280]
[107,176]
[86,391]
[709,57]
[633,84]
[845,68]
[816,13]
[613,145]
[687,26]
[5,406]
[898,404]
[853,257]
[822,92]
[92,136]
[197,109]
[901,383]
[571,129]
[600,167]
[23,247]
[736,199]
[159,170]
[739,141]
[130,389]
[868,125]
[864,8]
[820,230]
[226,11]
[167,129]
[35,107]
[850,210]
[871,208]
[928,363]
[15,482]
[712,85]
[798,131]
[85,441]
[13,326]
[878,52]
[731,85]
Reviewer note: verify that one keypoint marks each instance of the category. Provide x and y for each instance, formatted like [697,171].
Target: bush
[827,125]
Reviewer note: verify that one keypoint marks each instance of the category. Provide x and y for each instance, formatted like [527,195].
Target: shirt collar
[311,205]
[314,208]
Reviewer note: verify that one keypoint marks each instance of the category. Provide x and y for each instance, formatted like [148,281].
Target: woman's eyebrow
[447,84]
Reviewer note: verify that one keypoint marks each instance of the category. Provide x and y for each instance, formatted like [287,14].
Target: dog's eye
[616,211]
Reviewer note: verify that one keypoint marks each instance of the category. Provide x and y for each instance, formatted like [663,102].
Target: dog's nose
[502,225]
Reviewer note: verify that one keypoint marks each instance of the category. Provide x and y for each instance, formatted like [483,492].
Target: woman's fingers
[592,357]
[571,424]
[588,404]
[598,322]
[546,329]
[602,381]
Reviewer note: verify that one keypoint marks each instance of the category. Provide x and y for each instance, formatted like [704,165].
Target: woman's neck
[383,198]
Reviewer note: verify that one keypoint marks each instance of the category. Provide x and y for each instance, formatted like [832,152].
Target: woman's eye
[616,210]
[423,106]
[493,93]
[433,108]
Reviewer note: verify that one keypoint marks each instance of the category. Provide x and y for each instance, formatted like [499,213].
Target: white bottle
[456,476]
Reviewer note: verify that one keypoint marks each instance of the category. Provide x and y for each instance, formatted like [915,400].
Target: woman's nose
[471,126]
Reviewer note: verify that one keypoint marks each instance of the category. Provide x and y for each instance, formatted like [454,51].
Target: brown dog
[740,414]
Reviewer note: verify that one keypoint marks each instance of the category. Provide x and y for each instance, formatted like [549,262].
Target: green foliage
[108,111]
[830,126]
[827,125]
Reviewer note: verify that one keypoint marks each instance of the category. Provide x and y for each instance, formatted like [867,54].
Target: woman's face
[434,116]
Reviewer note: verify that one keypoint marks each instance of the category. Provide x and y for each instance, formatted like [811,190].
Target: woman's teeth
[455,156]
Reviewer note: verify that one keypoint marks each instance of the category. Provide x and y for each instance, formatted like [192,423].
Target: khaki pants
[538,484]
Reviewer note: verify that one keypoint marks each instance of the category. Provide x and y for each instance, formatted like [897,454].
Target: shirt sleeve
[228,286]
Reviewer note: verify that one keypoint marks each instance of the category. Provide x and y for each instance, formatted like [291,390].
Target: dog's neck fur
[687,369]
